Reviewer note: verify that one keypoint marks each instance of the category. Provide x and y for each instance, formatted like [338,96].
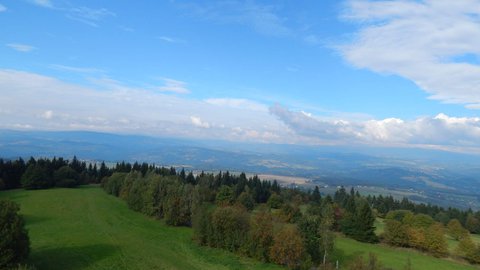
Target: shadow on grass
[73,258]
[31,219]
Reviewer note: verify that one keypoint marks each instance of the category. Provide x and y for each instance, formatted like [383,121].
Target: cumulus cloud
[435,44]
[440,130]
[196,121]
[47,114]
[21,47]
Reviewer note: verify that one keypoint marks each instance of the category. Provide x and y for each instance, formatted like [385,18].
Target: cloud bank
[33,101]
[440,131]
[435,44]
[38,102]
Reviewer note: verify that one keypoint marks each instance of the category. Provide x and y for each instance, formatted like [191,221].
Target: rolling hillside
[85,228]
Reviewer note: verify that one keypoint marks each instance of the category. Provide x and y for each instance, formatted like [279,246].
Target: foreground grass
[85,228]
[395,258]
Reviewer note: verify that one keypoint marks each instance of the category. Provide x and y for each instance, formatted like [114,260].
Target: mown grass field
[84,228]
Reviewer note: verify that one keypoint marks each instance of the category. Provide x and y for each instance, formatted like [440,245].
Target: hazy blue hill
[433,176]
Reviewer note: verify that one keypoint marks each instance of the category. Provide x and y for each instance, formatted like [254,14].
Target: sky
[355,72]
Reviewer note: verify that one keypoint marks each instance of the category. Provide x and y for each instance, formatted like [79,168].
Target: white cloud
[196,121]
[237,103]
[2,8]
[174,86]
[34,100]
[440,130]
[47,114]
[435,44]
[40,102]
[21,47]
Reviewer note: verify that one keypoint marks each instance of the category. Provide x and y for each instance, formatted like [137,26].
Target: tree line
[468,218]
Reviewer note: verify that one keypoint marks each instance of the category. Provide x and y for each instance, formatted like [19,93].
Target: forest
[254,218]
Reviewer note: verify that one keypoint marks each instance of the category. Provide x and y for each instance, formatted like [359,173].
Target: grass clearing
[395,258]
[84,228]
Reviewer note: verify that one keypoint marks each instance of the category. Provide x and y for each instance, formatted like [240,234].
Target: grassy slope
[85,228]
[395,258]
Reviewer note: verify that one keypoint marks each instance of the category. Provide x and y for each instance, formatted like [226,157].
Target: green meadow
[84,228]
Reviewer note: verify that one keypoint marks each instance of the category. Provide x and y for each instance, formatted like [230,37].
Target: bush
[65,176]
[288,247]
[14,241]
[36,177]
[275,201]
[230,226]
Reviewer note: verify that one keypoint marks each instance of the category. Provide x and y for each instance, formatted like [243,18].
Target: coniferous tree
[316,197]
[364,224]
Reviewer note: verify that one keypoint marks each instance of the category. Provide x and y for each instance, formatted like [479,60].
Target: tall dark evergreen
[364,224]
[316,197]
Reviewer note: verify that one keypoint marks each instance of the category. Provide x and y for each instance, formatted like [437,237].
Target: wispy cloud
[77,69]
[89,16]
[422,41]
[171,39]
[21,47]
[312,39]
[2,8]
[261,18]
[43,3]
[175,86]
[86,15]
[126,28]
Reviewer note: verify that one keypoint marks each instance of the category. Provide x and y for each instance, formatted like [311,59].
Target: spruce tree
[364,224]
[316,197]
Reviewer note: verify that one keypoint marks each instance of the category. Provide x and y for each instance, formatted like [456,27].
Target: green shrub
[14,241]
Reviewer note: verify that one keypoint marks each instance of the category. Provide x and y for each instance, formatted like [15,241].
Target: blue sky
[402,73]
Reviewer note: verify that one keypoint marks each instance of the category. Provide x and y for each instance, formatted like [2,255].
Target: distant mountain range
[445,178]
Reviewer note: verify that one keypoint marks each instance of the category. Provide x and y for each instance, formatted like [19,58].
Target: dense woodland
[256,218]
